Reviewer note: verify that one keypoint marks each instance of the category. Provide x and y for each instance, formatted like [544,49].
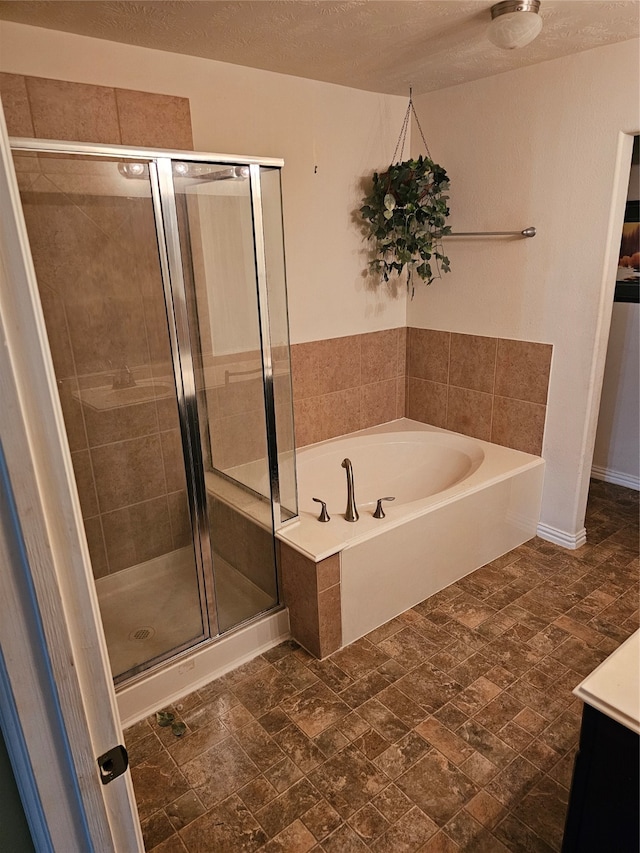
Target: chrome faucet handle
[324,515]
[379,513]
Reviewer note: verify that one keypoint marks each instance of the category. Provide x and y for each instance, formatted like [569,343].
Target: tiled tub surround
[451,728]
[341,385]
[311,591]
[447,484]
[490,388]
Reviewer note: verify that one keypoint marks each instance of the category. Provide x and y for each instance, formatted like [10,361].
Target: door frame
[624,149]
[58,675]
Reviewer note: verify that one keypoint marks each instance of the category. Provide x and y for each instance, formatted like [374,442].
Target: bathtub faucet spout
[351,513]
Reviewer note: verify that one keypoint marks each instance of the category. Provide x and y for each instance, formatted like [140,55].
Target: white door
[53,663]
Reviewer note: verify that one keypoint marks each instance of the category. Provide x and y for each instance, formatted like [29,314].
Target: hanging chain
[403,131]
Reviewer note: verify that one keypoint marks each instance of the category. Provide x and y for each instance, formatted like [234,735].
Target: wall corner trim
[572,541]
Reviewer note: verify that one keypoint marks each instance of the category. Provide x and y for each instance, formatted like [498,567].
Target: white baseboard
[618,478]
[561,537]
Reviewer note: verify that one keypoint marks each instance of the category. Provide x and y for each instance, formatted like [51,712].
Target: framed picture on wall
[628,276]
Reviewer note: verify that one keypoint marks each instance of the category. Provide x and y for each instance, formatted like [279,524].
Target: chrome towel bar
[527,232]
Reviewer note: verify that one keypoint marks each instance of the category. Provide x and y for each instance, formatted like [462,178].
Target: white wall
[345,132]
[617,452]
[539,146]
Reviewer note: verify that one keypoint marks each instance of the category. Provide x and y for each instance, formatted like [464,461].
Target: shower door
[166,385]
[246,429]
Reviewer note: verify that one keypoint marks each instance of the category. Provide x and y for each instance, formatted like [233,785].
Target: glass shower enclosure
[162,284]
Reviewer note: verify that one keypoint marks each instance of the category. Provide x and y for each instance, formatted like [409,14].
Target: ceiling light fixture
[514,23]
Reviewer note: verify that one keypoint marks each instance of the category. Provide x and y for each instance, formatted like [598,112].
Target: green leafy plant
[405,217]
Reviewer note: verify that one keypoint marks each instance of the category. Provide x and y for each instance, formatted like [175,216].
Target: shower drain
[142,634]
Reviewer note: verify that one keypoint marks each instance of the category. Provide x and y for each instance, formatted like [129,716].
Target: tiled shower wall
[127,460]
[494,389]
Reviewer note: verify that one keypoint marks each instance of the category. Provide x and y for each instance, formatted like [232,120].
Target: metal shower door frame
[169,249]
[170,254]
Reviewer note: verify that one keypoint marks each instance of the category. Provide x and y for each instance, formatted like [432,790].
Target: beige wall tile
[518,424]
[378,403]
[332,363]
[179,519]
[299,592]
[155,325]
[105,323]
[315,617]
[330,620]
[522,370]
[239,396]
[167,409]
[57,332]
[73,414]
[84,482]
[243,544]
[15,103]
[379,356]
[173,459]
[307,418]
[427,402]
[154,532]
[401,397]
[517,369]
[338,364]
[283,401]
[27,166]
[428,354]
[137,533]
[63,240]
[225,539]
[402,351]
[106,426]
[473,362]
[74,111]
[239,439]
[95,541]
[128,472]
[469,412]
[120,532]
[328,572]
[155,121]
[113,214]
[340,412]
[304,370]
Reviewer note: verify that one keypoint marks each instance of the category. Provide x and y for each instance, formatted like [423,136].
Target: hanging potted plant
[405,217]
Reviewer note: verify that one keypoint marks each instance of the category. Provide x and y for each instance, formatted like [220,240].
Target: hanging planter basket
[405,217]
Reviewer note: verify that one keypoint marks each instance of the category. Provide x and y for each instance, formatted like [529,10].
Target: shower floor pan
[149,609]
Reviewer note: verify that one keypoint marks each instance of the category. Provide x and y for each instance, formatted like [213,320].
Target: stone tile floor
[450,728]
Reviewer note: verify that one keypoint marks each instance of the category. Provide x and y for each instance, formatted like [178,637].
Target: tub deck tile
[451,728]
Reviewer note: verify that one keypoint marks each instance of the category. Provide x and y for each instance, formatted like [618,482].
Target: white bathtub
[459,503]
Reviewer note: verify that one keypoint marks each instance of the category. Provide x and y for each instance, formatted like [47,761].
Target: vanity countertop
[614,687]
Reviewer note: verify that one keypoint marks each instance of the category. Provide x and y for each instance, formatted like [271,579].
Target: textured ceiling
[368,44]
